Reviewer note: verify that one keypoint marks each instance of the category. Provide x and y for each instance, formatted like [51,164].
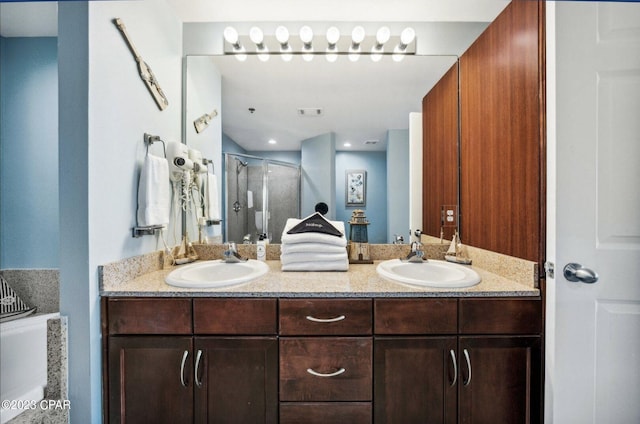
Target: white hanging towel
[212,209]
[154,192]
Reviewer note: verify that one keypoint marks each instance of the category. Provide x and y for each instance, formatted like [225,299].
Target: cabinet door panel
[503,385]
[145,380]
[237,380]
[415,380]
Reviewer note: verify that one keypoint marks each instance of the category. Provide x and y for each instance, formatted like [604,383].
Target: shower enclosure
[260,194]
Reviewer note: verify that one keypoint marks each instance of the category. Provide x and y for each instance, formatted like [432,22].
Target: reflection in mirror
[358,111]
[364,114]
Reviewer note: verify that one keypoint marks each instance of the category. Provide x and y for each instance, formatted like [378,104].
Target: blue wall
[318,176]
[375,163]
[398,183]
[29,225]
[283,156]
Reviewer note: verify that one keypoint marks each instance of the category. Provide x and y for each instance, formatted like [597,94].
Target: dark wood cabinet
[195,371]
[383,360]
[448,376]
[236,380]
[150,379]
[499,379]
[415,380]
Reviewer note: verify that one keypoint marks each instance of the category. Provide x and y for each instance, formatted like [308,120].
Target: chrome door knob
[577,273]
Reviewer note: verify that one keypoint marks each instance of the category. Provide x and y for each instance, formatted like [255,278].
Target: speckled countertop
[360,281]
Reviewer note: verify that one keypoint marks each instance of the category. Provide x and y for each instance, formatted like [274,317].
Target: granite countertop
[360,281]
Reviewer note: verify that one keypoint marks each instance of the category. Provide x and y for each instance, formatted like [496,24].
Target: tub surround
[144,276]
[57,378]
[36,287]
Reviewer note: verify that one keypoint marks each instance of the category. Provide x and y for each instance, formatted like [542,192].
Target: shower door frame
[265,187]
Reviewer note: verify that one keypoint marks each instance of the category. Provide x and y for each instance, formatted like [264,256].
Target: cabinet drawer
[500,316]
[416,316]
[149,316]
[234,316]
[326,369]
[325,412]
[325,317]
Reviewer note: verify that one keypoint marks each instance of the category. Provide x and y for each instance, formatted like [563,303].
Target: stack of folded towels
[314,244]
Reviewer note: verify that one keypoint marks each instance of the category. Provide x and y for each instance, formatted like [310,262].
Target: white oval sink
[216,273]
[431,273]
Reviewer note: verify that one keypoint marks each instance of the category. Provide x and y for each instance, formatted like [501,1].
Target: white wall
[104,110]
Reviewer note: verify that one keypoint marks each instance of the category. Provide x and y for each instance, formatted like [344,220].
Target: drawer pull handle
[336,319]
[455,367]
[195,376]
[332,374]
[184,361]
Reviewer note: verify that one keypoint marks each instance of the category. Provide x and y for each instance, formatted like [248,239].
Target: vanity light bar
[304,42]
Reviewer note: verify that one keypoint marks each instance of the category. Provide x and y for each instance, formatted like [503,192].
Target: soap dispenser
[261,247]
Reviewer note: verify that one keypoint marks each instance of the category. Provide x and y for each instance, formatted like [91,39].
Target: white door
[595,362]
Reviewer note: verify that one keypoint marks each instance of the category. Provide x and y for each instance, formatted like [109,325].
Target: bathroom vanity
[321,348]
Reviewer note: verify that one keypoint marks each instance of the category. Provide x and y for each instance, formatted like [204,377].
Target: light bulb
[333,35]
[357,35]
[383,35]
[354,53]
[282,35]
[407,36]
[256,35]
[306,34]
[231,35]
[376,54]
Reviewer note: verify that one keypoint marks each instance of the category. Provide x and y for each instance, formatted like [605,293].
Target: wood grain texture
[440,152]
[413,380]
[235,316]
[149,316]
[239,378]
[325,412]
[326,355]
[357,316]
[500,316]
[501,135]
[504,385]
[145,376]
[416,316]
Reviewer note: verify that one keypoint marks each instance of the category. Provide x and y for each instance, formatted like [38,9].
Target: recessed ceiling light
[272,141]
[347,144]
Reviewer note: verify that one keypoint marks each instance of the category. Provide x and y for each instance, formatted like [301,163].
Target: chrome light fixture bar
[282,43]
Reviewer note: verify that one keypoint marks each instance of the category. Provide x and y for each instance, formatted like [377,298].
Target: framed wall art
[356,187]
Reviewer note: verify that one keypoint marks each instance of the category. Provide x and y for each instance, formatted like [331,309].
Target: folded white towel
[317,266]
[310,257]
[212,204]
[310,247]
[154,192]
[313,237]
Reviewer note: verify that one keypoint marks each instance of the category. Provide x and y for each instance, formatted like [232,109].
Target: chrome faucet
[416,254]
[231,255]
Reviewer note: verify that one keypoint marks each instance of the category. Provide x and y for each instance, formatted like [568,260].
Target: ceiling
[360,100]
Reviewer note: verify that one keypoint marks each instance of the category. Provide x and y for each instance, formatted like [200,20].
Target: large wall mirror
[361,109]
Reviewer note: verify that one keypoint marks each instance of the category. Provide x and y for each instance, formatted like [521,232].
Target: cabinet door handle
[455,367]
[195,373]
[319,374]
[466,357]
[184,361]
[336,319]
